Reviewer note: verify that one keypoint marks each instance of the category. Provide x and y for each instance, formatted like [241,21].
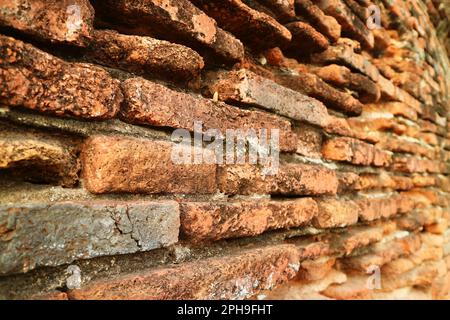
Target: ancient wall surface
[354,95]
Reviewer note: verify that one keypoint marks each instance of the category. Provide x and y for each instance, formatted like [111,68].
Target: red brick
[314,270]
[416,165]
[377,208]
[282,10]
[174,20]
[291,179]
[334,213]
[252,27]
[305,39]
[119,164]
[342,53]
[35,80]
[153,104]
[325,24]
[355,151]
[245,87]
[39,157]
[309,140]
[380,254]
[144,55]
[237,276]
[60,21]
[341,76]
[350,22]
[213,221]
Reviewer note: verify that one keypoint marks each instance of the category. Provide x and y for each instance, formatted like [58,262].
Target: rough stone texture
[57,21]
[213,221]
[39,157]
[144,55]
[43,234]
[35,80]
[252,27]
[291,179]
[232,277]
[153,104]
[118,164]
[246,87]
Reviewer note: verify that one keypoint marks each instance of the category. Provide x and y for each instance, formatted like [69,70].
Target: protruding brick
[212,221]
[342,76]
[144,55]
[348,20]
[282,9]
[150,103]
[35,80]
[342,53]
[355,151]
[60,21]
[39,157]
[119,164]
[43,234]
[377,208]
[237,276]
[291,179]
[305,39]
[313,86]
[246,87]
[252,27]
[325,24]
[334,213]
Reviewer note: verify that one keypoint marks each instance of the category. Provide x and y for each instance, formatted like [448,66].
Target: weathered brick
[282,9]
[309,140]
[118,164]
[291,179]
[238,276]
[423,275]
[314,270]
[219,220]
[377,208]
[60,21]
[342,76]
[342,53]
[350,22]
[325,24]
[334,213]
[394,107]
[39,157]
[355,151]
[305,39]
[381,253]
[43,234]
[383,180]
[404,146]
[35,80]
[246,87]
[252,27]
[313,86]
[175,20]
[414,164]
[150,103]
[145,55]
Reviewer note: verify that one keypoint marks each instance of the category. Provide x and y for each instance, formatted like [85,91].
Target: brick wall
[93,205]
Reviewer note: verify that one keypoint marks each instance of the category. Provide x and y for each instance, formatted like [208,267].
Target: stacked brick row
[92,205]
